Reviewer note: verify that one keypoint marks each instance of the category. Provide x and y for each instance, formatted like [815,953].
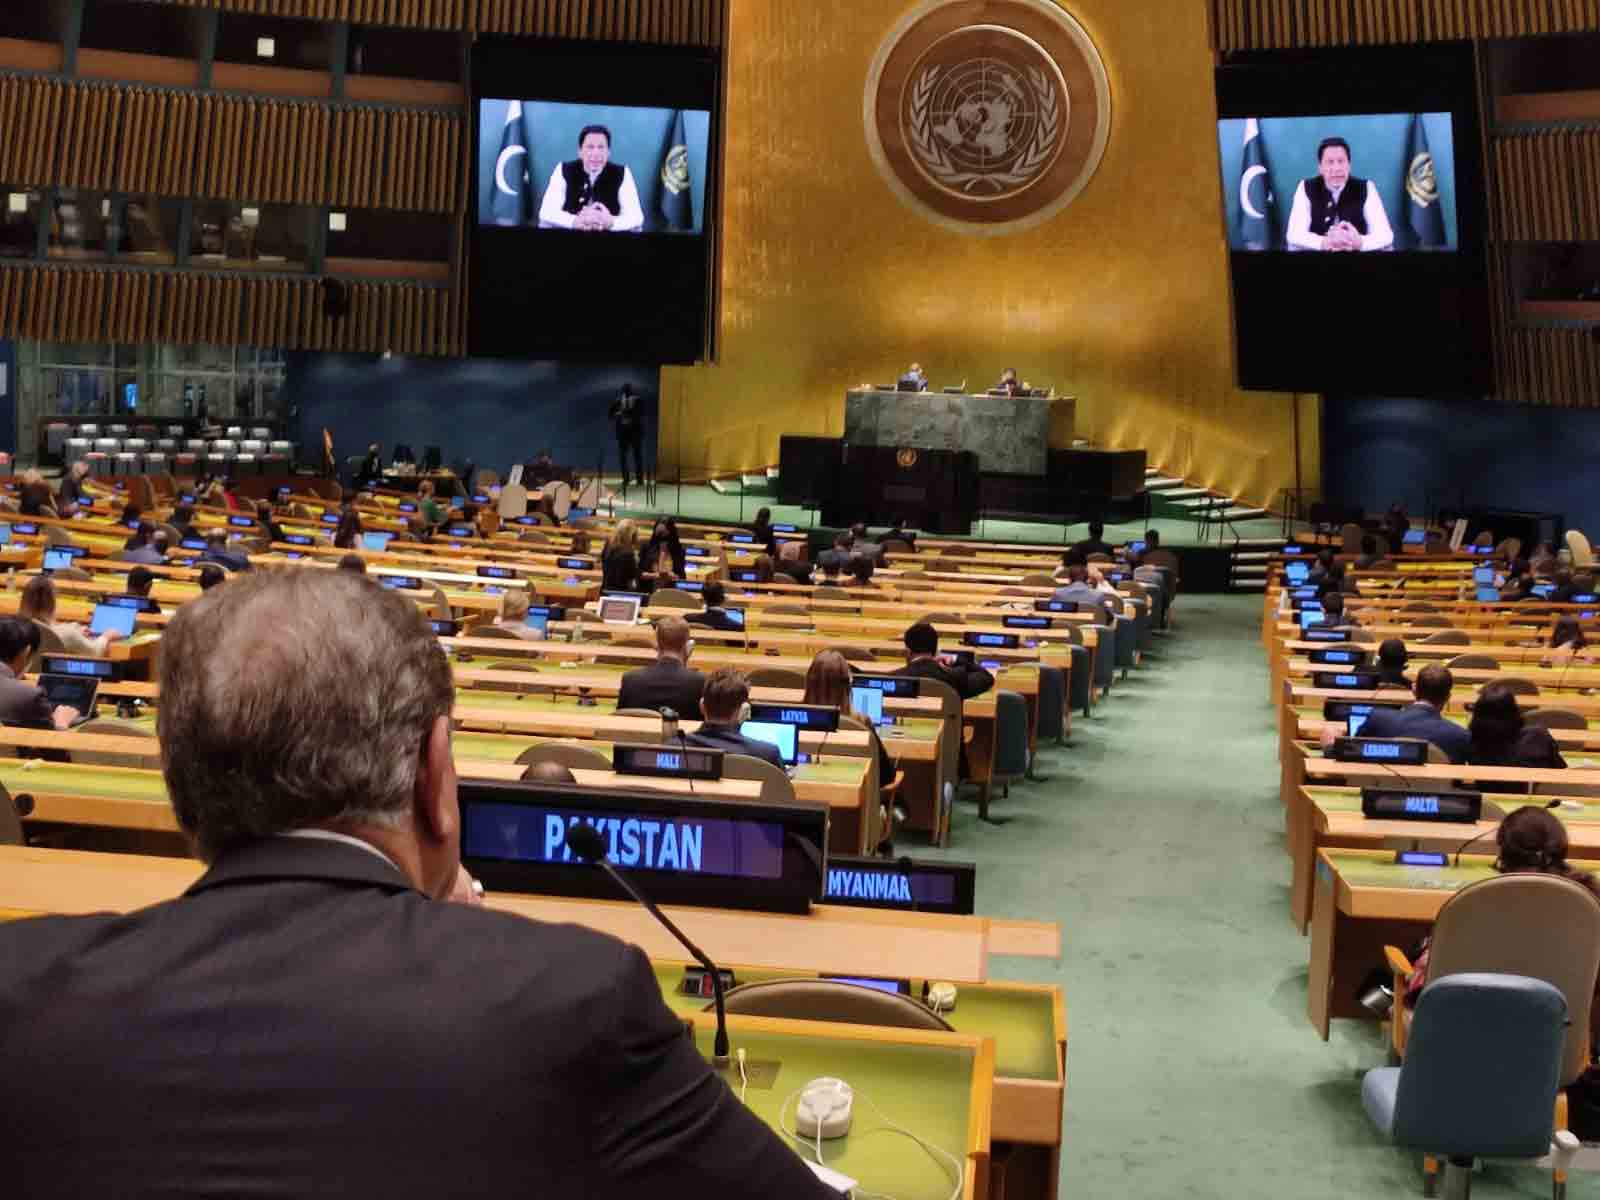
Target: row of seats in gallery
[233,454]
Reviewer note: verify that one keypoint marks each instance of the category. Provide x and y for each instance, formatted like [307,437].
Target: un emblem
[987,116]
[906,456]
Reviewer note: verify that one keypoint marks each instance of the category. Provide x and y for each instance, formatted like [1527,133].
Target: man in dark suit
[1424,719]
[1096,542]
[723,707]
[312,1019]
[25,703]
[715,616]
[668,682]
[923,660]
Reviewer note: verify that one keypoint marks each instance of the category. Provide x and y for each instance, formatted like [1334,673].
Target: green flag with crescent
[1424,217]
[1258,226]
[677,193]
[513,193]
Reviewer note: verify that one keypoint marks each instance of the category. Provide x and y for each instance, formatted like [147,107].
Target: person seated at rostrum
[715,616]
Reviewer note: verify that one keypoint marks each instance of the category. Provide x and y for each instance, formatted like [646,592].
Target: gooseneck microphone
[589,844]
[1472,841]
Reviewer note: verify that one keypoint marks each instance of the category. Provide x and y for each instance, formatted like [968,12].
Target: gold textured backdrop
[828,280]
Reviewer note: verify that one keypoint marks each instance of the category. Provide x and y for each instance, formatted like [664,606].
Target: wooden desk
[1362,902]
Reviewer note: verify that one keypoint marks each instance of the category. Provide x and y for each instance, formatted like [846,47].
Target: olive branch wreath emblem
[932,154]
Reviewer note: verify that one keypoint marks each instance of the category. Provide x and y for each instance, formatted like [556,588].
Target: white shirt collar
[327,835]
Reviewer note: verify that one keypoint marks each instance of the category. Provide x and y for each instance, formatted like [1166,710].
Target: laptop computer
[619,610]
[76,691]
[57,560]
[868,701]
[784,736]
[113,616]
[375,542]
[539,621]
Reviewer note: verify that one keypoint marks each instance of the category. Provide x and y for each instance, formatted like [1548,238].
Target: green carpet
[1157,844]
[700,503]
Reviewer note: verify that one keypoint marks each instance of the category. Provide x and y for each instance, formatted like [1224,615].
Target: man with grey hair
[311,1019]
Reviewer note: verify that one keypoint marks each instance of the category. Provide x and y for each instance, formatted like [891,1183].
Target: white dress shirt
[1379,235]
[552,210]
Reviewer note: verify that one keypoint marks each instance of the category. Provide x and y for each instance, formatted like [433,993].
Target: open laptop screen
[113,616]
[785,737]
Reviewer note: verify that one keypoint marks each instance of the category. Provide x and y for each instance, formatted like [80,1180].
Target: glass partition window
[250,237]
[255,40]
[19,222]
[79,224]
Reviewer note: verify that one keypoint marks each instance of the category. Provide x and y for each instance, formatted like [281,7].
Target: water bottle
[669,726]
[575,634]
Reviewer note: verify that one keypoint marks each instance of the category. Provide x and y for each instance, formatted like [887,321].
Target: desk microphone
[589,844]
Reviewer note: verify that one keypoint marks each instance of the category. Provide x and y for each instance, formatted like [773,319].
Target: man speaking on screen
[591,193]
[1335,210]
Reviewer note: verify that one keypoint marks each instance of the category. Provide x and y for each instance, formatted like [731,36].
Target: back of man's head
[672,636]
[1097,530]
[161,541]
[210,576]
[1433,685]
[216,540]
[842,540]
[353,562]
[1333,604]
[1392,654]
[725,694]
[293,699]
[714,594]
[1152,538]
[830,565]
[140,580]
[1078,572]
[922,638]
[549,772]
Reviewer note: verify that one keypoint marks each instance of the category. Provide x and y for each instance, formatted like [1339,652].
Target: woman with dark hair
[142,533]
[663,554]
[1531,841]
[766,536]
[828,682]
[1392,659]
[1502,738]
[348,532]
[1567,644]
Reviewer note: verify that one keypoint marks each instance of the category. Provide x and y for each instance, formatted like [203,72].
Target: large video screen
[1340,184]
[1352,187]
[592,168]
[595,207]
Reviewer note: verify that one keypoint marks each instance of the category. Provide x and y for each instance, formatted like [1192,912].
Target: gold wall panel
[829,281]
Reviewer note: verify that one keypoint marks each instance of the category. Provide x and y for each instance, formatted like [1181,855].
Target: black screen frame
[579,311]
[1422,319]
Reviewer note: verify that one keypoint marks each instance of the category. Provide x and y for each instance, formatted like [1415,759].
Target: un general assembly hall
[907,599]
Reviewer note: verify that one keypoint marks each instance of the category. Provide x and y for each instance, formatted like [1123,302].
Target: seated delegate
[724,699]
[715,615]
[314,1017]
[1501,737]
[1424,718]
[668,682]
[23,703]
[924,661]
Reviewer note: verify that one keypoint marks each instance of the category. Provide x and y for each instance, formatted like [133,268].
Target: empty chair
[776,787]
[941,618]
[1011,757]
[1577,544]
[1039,579]
[1556,718]
[674,598]
[786,610]
[1485,539]
[1447,637]
[1350,535]
[260,432]
[1053,716]
[108,445]
[1418,606]
[1517,685]
[10,820]
[1479,662]
[776,677]
[1430,622]
[1480,1078]
[829,1000]
[856,653]
[826,591]
[960,550]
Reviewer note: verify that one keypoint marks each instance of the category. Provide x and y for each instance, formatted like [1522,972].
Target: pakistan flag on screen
[1258,228]
[1424,218]
[677,194]
[513,192]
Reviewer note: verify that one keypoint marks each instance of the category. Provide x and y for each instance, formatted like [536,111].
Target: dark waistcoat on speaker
[607,187]
[1351,206]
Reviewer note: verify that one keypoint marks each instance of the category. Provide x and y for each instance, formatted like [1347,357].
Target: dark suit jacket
[967,681]
[22,703]
[301,1023]
[663,684]
[729,740]
[713,618]
[1420,721]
